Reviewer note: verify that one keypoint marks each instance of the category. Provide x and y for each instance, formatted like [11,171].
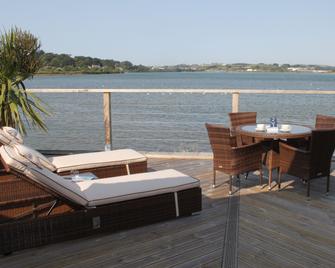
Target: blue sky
[157,32]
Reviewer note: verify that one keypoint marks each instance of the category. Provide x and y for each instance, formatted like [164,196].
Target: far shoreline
[246,72]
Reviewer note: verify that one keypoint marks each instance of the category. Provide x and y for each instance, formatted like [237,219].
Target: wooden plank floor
[284,229]
[277,229]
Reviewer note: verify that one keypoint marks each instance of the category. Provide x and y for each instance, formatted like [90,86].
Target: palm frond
[18,61]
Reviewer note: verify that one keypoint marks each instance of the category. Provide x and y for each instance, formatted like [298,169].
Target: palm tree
[19,60]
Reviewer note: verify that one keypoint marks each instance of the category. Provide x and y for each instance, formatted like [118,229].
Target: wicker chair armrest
[255,148]
[287,147]
[233,136]
[294,161]
[295,156]
[246,158]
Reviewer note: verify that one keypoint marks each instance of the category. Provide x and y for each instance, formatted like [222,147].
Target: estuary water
[169,122]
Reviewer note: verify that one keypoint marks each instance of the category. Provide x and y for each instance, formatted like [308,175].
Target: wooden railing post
[235,101]
[107,120]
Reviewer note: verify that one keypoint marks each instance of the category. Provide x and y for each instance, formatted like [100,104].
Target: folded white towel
[272,130]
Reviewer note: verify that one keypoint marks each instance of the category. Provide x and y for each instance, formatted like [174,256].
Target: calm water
[169,122]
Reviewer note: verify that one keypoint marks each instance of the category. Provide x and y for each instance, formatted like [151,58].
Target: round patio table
[271,157]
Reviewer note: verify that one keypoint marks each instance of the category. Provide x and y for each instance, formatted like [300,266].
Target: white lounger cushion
[103,191]
[94,160]
[33,156]
[10,136]
[116,189]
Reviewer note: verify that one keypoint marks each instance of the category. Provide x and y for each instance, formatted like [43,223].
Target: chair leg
[214,178]
[328,184]
[308,189]
[270,179]
[230,185]
[261,175]
[279,178]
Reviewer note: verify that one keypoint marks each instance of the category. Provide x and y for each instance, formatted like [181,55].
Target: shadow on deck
[255,228]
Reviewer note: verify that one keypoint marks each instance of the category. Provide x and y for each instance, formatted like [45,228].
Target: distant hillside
[244,67]
[52,63]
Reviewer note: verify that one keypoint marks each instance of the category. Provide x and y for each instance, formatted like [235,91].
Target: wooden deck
[254,228]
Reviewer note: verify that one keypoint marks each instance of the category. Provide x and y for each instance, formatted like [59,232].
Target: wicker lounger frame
[31,215]
[114,170]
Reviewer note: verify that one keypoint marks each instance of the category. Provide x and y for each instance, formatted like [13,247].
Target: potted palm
[19,60]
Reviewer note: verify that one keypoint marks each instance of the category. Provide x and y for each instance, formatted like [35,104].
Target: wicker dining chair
[321,122]
[311,164]
[324,121]
[230,158]
[245,118]
[242,118]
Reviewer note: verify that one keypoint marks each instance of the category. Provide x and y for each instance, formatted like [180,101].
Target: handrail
[183,90]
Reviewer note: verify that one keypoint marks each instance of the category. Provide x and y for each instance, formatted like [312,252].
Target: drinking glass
[75,174]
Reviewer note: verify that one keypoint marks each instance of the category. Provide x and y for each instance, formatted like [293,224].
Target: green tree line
[52,63]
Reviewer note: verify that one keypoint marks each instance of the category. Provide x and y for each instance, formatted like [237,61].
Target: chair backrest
[242,118]
[324,121]
[51,182]
[220,139]
[322,150]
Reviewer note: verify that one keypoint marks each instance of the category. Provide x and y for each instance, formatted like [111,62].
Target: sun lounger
[43,207]
[102,164]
